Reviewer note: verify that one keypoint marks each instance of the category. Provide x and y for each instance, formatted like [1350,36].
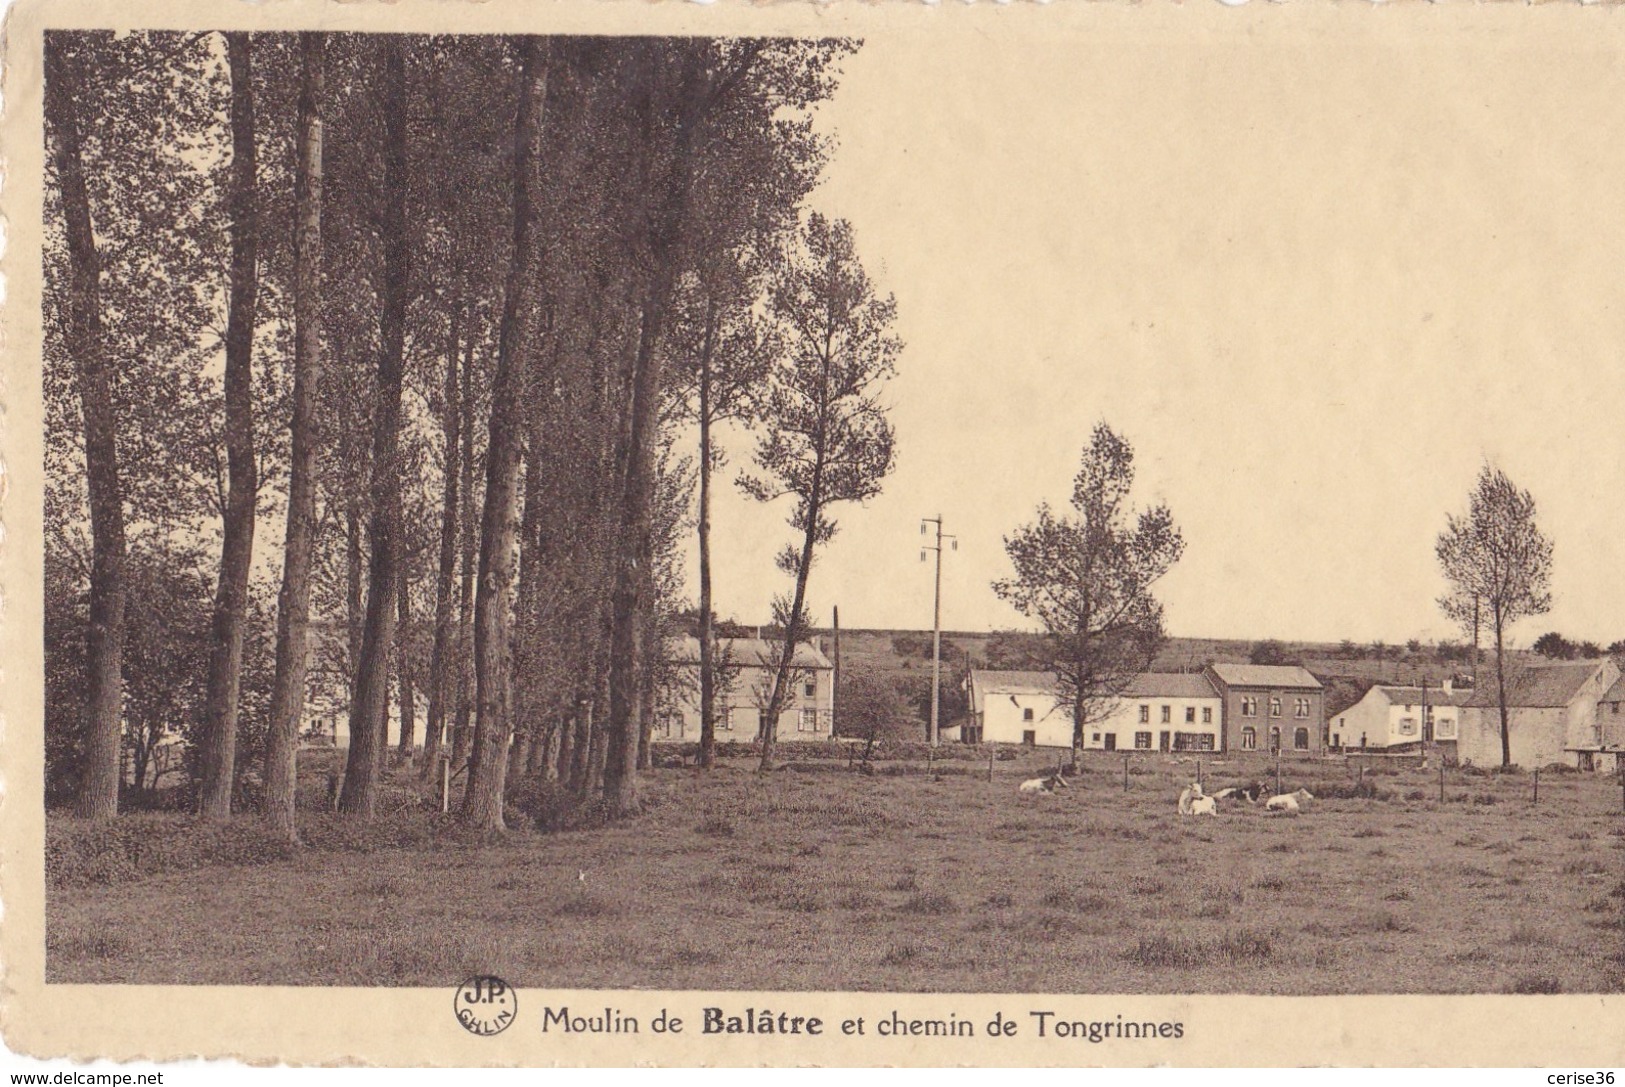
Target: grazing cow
[1204,805]
[1044,785]
[1249,793]
[1190,796]
[1288,803]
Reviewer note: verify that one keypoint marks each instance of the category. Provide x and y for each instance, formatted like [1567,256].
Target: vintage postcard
[790,534]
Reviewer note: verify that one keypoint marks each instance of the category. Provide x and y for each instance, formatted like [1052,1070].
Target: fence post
[930,755]
[1361,783]
[1198,771]
[1277,773]
[1537,785]
[990,764]
[1125,773]
[1441,781]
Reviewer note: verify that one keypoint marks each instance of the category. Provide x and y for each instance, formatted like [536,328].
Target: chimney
[1449,684]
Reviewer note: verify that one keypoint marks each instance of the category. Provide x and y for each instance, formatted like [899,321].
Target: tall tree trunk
[493,650]
[354,616]
[708,662]
[369,711]
[528,645]
[403,667]
[792,634]
[219,749]
[463,731]
[633,594]
[104,694]
[440,656]
[293,602]
[1501,683]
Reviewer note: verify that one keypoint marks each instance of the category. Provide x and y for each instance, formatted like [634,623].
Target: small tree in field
[827,437]
[1087,580]
[1498,557]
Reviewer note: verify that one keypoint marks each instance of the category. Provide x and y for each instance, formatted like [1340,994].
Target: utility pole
[936,618]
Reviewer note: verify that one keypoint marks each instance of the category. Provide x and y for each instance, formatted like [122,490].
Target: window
[1094,737]
[1615,706]
[1030,738]
[1167,714]
[1300,707]
[1145,715]
[1193,741]
[1275,706]
[1249,739]
[1207,715]
[1027,714]
[1407,726]
[1142,741]
[1249,706]
[1444,728]
[810,688]
[671,726]
[1190,715]
[807,721]
[1300,739]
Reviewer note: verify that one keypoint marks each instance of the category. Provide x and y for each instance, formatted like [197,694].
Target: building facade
[1162,711]
[747,667]
[1556,713]
[1010,707]
[1270,707]
[1158,711]
[1390,717]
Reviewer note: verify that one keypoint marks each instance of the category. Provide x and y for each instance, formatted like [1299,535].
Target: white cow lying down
[1044,785]
[1188,798]
[1204,805]
[1288,803]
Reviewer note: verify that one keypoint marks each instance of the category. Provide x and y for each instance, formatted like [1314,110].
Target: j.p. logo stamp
[485,1005]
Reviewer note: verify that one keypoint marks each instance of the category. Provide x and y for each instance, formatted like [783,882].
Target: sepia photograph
[865,505]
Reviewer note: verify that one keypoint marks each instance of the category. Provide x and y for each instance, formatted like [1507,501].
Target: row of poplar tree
[453,320]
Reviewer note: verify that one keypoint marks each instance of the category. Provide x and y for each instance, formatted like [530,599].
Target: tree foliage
[439,312]
[1497,558]
[1087,580]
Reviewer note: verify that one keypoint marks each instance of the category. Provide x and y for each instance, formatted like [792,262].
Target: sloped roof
[749,652]
[1541,686]
[1034,682]
[1144,685]
[1265,675]
[1437,696]
[1170,685]
[1616,693]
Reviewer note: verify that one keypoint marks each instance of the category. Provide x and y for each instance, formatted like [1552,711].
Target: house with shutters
[746,667]
[1270,707]
[1556,713]
[1395,717]
[1162,711]
[1157,711]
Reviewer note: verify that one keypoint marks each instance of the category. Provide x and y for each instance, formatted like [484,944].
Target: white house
[1162,711]
[1556,713]
[1391,716]
[1018,708]
[748,666]
[1159,711]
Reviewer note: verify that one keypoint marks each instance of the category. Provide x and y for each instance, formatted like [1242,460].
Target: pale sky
[1314,308]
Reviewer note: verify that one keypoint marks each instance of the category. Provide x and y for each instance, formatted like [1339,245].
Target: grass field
[819,878]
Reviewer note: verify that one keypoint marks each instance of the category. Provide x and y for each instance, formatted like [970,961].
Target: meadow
[818,877]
